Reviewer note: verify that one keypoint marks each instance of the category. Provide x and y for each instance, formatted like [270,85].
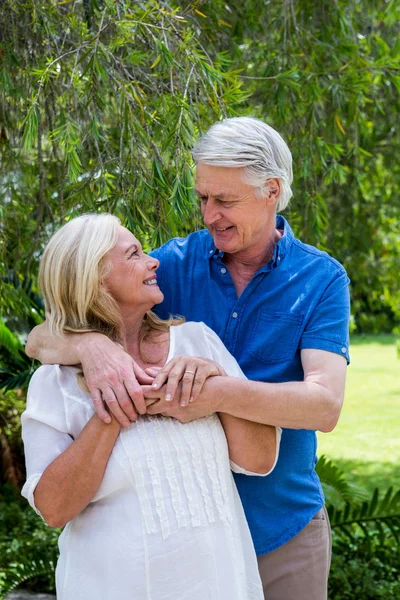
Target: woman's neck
[131,327]
[152,351]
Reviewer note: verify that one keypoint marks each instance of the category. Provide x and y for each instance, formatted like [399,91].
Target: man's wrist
[86,341]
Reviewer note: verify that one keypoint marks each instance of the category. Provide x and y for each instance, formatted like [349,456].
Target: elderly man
[281,307]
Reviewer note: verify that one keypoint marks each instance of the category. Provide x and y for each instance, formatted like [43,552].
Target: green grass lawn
[366,441]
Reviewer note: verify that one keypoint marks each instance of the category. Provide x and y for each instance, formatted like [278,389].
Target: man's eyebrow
[130,248]
[220,196]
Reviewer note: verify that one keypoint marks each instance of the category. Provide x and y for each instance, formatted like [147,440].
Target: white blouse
[166,522]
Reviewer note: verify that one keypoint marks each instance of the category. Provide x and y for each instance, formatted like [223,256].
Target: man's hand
[113,378]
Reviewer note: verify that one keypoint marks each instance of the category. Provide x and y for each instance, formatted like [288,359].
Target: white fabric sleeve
[44,427]
[222,356]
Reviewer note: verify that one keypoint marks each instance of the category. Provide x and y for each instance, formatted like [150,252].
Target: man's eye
[203,199]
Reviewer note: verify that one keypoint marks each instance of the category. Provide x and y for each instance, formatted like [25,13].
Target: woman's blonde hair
[71,273]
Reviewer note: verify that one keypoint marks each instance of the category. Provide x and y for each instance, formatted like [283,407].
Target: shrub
[28,547]
[365,570]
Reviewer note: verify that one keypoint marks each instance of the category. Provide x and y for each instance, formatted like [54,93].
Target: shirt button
[211,251]
[223,271]
[234,315]
[279,258]
[344,350]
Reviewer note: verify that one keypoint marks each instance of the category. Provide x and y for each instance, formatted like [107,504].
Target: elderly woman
[151,511]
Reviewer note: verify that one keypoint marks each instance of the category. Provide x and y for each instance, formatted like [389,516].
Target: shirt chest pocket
[275,336]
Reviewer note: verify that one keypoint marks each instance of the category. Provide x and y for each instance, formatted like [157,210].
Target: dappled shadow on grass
[385,339]
[370,475]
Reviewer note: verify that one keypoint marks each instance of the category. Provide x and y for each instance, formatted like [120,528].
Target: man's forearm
[50,350]
[293,405]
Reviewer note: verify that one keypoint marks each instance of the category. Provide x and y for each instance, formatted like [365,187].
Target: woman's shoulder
[198,329]
[192,330]
[62,378]
[191,327]
[192,338]
[47,373]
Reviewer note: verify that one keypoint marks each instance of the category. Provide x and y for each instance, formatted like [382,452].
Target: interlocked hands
[119,385]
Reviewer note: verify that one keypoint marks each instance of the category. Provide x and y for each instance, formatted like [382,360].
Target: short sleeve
[221,355]
[328,326]
[44,427]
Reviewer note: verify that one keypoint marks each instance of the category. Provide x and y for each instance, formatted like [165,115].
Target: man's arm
[111,375]
[50,350]
[314,403]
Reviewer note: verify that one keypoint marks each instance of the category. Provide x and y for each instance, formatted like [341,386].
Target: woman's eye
[134,253]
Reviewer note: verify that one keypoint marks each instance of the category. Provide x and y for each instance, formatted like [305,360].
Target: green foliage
[352,513]
[16,368]
[366,538]
[21,573]
[374,518]
[12,467]
[28,547]
[326,75]
[100,103]
[337,490]
[362,571]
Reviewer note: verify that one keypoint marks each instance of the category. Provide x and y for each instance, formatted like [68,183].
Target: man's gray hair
[250,143]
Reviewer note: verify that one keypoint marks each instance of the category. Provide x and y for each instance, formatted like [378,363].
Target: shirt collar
[281,247]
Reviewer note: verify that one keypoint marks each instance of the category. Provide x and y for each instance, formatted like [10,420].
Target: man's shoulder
[320,259]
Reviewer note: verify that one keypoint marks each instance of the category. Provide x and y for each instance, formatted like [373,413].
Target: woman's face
[132,281]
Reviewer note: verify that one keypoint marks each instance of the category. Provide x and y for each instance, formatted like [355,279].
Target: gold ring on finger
[192,372]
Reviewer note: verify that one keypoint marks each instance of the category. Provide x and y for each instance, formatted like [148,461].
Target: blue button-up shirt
[300,299]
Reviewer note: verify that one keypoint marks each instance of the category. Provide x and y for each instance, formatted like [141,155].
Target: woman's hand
[186,372]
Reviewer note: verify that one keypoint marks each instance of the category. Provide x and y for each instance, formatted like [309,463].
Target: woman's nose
[152,263]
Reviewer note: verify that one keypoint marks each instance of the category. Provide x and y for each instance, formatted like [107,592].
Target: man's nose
[211,212]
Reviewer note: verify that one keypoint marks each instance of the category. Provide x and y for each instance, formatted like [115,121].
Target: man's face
[235,217]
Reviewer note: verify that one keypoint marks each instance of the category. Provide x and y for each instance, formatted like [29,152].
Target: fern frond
[370,515]
[17,574]
[336,489]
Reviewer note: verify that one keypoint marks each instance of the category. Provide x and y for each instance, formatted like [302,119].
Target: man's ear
[272,190]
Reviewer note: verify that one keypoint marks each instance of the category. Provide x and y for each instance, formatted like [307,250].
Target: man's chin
[224,245]
[228,247]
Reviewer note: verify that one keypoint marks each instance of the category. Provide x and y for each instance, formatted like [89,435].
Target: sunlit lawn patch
[366,442]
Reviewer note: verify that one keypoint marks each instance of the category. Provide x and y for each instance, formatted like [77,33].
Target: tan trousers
[299,569]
